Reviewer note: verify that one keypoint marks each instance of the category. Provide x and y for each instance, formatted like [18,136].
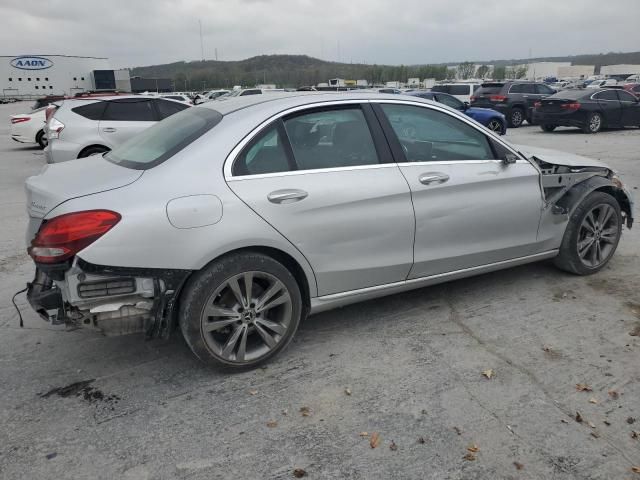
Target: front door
[471,208]
[630,109]
[329,186]
[610,107]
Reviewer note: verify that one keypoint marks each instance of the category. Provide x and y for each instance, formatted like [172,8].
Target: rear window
[92,111]
[452,89]
[490,88]
[163,140]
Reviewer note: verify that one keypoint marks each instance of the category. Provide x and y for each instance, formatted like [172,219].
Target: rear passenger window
[606,95]
[166,109]
[528,88]
[428,135]
[93,111]
[518,88]
[330,139]
[132,110]
[265,154]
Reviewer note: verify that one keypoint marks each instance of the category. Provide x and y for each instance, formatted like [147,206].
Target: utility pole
[216,50]
[201,44]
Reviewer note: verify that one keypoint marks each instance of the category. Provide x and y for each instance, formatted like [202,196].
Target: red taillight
[537,105]
[62,237]
[20,119]
[497,98]
[570,106]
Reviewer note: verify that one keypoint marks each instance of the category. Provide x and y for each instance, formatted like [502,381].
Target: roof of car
[292,99]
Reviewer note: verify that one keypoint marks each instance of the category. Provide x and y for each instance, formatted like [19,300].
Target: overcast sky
[137,32]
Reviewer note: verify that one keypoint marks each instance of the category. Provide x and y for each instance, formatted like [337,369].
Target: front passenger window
[428,135]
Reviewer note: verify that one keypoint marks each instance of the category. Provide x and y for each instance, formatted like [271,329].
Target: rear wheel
[92,151]
[548,128]
[516,117]
[592,235]
[241,310]
[41,139]
[593,124]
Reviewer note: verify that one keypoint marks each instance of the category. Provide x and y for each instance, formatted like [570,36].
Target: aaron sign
[31,63]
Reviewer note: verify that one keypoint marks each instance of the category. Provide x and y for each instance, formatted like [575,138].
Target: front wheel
[496,126]
[41,139]
[592,235]
[548,128]
[241,310]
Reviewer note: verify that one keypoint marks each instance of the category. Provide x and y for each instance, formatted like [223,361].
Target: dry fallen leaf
[631,420]
[607,423]
[458,430]
[473,448]
[392,446]
[305,411]
[469,457]
[613,394]
[593,400]
[635,435]
[421,440]
[563,420]
[595,434]
[374,441]
[488,373]
[578,417]
[583,387]
[272,424]
[253,392]
[364,434]
[547,348]
[518,465]
[347,391]
[635,469]
[299,472]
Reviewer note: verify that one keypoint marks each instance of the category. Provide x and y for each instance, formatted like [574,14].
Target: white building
[38,75]
[619,70]
[576,71]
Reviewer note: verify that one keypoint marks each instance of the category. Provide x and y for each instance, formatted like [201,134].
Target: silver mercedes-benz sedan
[235,220]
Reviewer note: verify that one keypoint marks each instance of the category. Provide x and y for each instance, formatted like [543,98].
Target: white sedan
[29,127]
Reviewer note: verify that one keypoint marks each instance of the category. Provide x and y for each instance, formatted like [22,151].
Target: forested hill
[297,70]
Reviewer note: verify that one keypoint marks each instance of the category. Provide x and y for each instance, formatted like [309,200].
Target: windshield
[163,140]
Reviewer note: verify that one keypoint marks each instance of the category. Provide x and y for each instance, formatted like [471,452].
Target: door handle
[109,130]
[433,177]
[287,196]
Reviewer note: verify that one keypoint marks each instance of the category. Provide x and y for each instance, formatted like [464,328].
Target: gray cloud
[134,33]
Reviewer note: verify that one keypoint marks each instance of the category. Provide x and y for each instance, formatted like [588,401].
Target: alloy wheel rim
[516,117]
[495,126]
[595,123]
[246,317]
[598,235]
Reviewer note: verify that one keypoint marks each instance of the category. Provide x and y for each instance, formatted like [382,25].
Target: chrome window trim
[232,156]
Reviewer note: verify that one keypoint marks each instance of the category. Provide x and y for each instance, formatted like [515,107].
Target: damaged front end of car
[567,179]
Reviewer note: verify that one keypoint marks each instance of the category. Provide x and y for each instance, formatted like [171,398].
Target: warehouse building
[38,75]
[619,71]
[576,71]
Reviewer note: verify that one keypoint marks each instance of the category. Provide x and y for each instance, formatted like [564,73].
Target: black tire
[568,258]
[594,123]
[496,125]
[41,139]
[548,128]
[92,151]
[516,117]
[205,290]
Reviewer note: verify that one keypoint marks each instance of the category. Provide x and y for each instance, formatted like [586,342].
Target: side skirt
[327,302]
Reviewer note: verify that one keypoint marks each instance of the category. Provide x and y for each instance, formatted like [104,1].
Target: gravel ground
[412,364]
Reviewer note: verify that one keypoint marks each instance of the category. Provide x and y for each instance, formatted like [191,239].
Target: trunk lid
[59,182]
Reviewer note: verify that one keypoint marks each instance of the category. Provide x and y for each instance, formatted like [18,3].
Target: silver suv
[82,127]
[234,220]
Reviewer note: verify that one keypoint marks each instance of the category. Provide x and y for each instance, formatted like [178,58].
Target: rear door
[124,118]
[610,106]
[630,109]
[471,208]
[325,179]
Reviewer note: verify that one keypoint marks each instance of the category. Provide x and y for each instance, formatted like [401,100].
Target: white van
[462,91]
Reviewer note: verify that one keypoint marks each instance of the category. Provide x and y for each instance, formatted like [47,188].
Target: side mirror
[466,105]
[509,158]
